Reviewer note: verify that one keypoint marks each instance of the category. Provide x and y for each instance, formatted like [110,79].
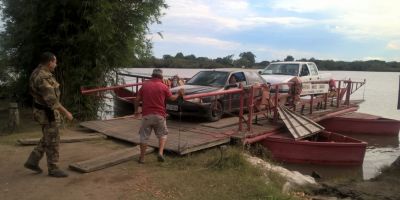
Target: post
[276,100]
[349,85]
[251,109]
[311,103]
[398,98]
[13,118]
[241,108]
[338,94]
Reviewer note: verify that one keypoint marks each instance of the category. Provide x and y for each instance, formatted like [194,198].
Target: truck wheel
[215,112]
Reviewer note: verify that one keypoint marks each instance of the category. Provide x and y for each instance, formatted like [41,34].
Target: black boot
[33,163]
[57,173]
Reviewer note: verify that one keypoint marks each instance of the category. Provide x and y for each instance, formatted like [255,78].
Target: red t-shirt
[153,93]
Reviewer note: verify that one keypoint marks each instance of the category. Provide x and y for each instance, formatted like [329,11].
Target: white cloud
[373,58]
[236,5]
[223,14]
[288,21]
[354,18]
[197,40]
[393,45]
[207,24]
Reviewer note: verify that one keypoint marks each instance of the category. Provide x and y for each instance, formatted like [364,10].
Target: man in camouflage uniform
[46,111]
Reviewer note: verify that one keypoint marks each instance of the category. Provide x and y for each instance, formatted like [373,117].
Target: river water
[380,94]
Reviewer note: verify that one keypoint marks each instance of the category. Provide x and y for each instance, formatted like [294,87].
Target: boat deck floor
[185,137]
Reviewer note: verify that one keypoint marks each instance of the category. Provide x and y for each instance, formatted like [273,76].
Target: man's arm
[177,95]
[63,110]
[50,98]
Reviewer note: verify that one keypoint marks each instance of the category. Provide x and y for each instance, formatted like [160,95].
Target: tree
[91,38]
[242,62]
[289,58]
[190,57]
[180,55]
[166,56]
[249,56]
[227,60]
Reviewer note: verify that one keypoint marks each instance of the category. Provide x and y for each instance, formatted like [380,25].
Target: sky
[344,30]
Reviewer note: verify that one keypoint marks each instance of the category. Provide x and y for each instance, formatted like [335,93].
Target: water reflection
[377,141]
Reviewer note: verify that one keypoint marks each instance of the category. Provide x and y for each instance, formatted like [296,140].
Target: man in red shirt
[153,94]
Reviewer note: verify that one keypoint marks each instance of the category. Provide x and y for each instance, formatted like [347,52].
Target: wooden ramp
[105,161]
[222,123]
[183,137]
[63,139]
[299,126]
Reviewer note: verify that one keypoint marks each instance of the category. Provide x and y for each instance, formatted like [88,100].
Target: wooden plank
[105,161]
[222,123]
[204,146]
[299,126]
[63,139]
[183,137]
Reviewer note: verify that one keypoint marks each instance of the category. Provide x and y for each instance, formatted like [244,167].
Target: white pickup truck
[283,72]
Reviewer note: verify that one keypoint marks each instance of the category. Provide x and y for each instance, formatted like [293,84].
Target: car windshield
[209,78]
[281,69]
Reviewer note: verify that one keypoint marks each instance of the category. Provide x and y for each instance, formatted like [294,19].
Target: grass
[208,175]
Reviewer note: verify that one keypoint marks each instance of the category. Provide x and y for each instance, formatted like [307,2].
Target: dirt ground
[131,180]
[123,181]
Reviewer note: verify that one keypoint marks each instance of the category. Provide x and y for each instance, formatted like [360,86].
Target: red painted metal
[329,148]
[348,92]
[338,94]
[101,89]
[241,108]
[276,100]
[251,110]
[379,126]
[258,138]
[124,94]
[334,114]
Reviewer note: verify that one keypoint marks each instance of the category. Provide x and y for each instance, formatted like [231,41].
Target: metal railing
[261,99]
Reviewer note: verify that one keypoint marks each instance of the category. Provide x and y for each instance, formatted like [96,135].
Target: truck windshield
[209,78]
[281,69]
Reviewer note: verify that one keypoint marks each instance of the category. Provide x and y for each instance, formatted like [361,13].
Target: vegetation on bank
[247,59]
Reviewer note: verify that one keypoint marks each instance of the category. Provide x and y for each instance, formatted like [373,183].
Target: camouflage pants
[49,144]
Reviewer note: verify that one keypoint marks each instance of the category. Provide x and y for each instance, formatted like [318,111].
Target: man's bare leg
[143,147]
[161,146]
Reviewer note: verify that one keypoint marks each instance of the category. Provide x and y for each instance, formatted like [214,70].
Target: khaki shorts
[150,122]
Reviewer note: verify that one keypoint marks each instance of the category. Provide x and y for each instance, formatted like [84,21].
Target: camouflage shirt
[45,91]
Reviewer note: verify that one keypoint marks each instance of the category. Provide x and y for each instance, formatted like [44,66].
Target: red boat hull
[329,149]
[360,123]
